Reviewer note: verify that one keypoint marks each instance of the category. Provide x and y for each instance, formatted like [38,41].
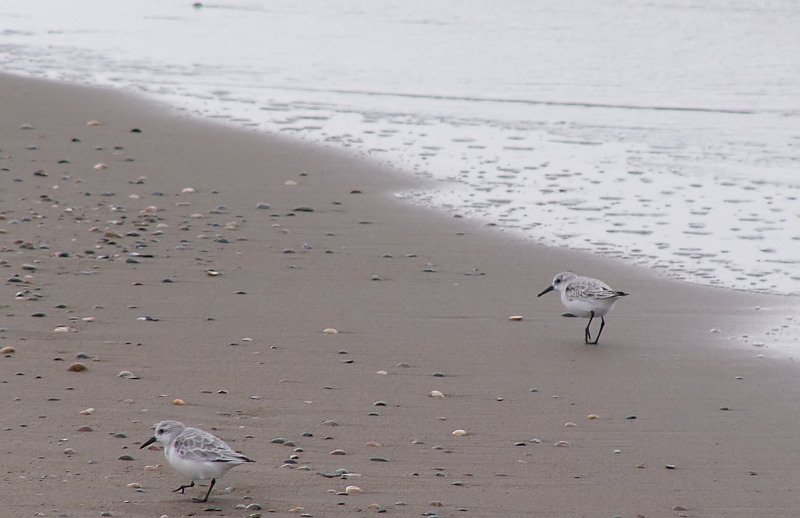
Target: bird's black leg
[602,324]
[587,337]
[183,488]
[213,481]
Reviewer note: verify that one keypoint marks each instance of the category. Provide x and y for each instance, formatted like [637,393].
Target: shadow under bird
[195,454]
[585,297]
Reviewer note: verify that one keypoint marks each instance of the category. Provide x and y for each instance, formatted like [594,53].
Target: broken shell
[187,190]
[290,183]
[592,416]
[125,374]
[7,350]
[100,166]
[330,331]
[88,411]
[135,485]
[570,425]
[151,469]
[353,490]
[436,393]
[515,317]
[212,273]
[77,367]
[459,433]
[178,402]
[561,444]
[93,123]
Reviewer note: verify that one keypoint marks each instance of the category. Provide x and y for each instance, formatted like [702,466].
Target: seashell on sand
[353,490]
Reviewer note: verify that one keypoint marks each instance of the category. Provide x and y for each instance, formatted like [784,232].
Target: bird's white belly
[585,307]
[197,469]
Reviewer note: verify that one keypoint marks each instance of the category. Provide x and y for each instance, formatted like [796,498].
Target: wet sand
[420,302]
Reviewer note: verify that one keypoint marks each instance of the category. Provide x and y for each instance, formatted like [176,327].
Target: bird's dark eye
[161,430]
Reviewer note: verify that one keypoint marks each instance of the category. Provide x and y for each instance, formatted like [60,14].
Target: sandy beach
[207,262]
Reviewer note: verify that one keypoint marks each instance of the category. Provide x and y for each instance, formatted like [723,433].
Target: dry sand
[411,294]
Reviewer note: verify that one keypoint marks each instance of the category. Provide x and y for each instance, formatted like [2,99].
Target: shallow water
[663,133]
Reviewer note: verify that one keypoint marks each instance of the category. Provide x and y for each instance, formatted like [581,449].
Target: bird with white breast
[585,297]
[195,453]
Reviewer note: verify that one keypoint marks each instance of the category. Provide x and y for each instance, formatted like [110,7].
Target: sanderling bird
[585,297]
[195,453]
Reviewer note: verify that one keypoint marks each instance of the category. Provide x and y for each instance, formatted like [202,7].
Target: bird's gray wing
[586,288]
[202,446]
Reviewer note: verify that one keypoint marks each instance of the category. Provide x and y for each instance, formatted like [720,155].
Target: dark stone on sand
[136,130]
[303,209]
[39,314]
[125,457]
[630,417]
[379,459]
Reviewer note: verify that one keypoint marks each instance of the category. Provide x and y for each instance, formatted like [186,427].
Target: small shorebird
[195,453]
[585,297]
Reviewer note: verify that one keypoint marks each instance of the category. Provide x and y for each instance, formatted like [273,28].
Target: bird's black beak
[148,442]
[549,288]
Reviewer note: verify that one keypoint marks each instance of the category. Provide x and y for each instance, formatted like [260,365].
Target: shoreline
[410,292]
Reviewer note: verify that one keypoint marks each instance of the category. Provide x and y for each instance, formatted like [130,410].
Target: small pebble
[330,331]
[515,318]
[77,367]
[7,350]
[88,411]
[178,401]
[459,433]
[353,490]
